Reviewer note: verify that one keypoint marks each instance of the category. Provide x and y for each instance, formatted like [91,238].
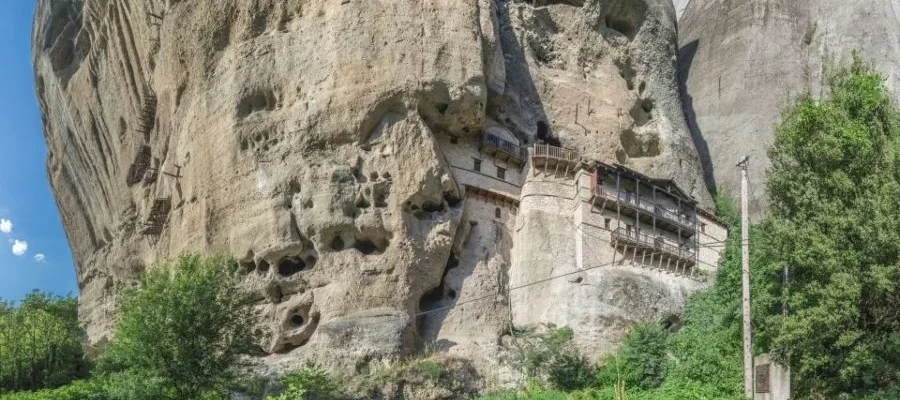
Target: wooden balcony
[623,238]
[503,149]
[159,215]
[148,115]
[547,156]
[644,209]
[139,167]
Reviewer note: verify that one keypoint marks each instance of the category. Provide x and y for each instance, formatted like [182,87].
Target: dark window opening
[606,223]
[501,173]
[498,213]
[476,164]
[297,320]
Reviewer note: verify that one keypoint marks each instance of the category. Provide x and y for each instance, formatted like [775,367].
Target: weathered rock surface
[301,138]
[742,61]
[680,6]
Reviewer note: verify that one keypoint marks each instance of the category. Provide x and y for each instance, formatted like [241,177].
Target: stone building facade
[585,244]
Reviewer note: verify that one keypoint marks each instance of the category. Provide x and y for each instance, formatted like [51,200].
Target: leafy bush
[184,329]
[641,361]
[549,359]
[78,390]
[309,383]
[40,343]
[526,395]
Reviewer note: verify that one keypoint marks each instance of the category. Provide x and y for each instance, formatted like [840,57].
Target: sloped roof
[668,185]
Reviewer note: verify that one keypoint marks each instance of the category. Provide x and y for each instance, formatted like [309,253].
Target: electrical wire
[529,284]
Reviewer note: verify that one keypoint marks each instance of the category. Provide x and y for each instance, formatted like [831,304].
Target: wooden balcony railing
[139,166]
[494,144]
[643,204]
[652,242]
[556,153]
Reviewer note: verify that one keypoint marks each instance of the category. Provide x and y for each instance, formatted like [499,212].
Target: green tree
[641,363]
[187,327]
[829,276]
[40,343]
[549,359]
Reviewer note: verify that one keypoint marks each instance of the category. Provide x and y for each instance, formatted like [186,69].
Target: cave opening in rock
[365,246]
[247,266]
[543,133]
[262,266]
[297,320]
[672,323]
[432,207]
[337,244]
[622,26]
[452,262]
[290,266]
[275,293]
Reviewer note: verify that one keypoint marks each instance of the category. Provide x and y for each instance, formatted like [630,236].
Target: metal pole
[745,279]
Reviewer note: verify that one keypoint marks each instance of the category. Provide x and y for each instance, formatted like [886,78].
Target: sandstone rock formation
[307,139]
[680,6]
[742,61]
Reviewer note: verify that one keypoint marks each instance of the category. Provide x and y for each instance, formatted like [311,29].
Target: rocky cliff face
[301,137]
[742,61]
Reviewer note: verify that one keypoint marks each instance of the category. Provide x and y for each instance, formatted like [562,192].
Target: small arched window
[497,213]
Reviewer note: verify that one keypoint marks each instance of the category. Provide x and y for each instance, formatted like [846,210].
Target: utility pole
[745,278]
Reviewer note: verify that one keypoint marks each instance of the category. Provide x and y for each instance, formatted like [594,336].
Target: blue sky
[25,197]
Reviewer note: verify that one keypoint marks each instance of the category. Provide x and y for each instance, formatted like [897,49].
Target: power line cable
[529,284]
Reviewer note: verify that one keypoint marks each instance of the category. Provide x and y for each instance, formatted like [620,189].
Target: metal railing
[658,243]
[494,142]
[635,201]
[558,153]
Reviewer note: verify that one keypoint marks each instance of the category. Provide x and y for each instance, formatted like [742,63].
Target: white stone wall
[712,236]
[461,157]
[779,380]
[546,236]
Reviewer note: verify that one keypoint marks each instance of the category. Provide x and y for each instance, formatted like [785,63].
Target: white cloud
[19,247]
[39,258]
[6,226]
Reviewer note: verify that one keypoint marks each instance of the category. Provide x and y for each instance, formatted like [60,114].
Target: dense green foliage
[641,362]
[188,325]
[40,343]
[549,359]
[831,249]
[309,383]
[180,335]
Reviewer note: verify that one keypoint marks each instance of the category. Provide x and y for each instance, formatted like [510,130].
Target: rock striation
[311,141]
[742,61]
